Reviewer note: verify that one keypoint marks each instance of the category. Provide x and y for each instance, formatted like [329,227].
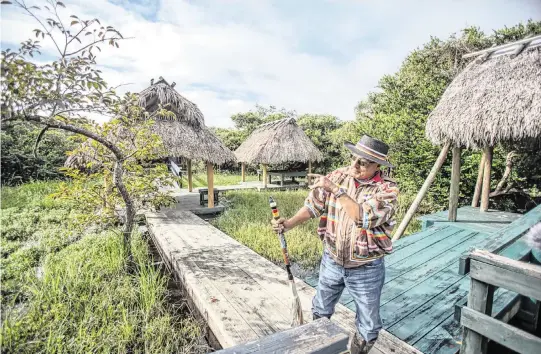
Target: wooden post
[479,182]
[455,184]
[243,172]
[190,182]
[210,182]
[309,171]
[264,176]
[415,205]
[486,179]
[479,299]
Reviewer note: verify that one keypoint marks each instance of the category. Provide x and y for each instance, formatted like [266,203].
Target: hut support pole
[455,184]
[479,182]
[190,182]
[264,176]
[415,205]
[308,180]
[486,179]
[210,182]
[243,172]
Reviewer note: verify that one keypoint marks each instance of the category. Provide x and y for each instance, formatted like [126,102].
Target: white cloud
[313,57]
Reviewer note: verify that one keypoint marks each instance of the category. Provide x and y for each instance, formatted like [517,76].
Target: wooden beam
[243,172]
[309,171]
[210,182]
[509,336]
[190,178]
[455,184]
[479,183]
[486,178]
[264,175]
[320,336]
[479,299]
[422,192]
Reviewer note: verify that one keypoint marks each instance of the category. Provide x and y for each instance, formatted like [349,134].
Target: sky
[311,56]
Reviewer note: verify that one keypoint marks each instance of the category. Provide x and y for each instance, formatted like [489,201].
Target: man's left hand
[321,181]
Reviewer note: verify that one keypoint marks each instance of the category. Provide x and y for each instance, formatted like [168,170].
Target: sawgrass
[66,292]
[248,220]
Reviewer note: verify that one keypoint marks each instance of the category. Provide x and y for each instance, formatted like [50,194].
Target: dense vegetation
[67,290]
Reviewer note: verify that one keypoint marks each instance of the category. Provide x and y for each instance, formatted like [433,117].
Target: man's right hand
[279,226]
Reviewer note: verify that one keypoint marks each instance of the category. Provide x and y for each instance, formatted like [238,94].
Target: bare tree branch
[38,139]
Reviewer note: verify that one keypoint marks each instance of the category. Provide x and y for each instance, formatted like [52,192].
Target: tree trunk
[130,212]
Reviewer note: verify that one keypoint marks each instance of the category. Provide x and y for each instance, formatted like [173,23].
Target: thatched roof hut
[185,135]
[278,142]
[495,99]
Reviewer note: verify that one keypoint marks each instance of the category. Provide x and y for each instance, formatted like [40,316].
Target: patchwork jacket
[353,243]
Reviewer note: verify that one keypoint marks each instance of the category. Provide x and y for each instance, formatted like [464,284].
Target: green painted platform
[423,284]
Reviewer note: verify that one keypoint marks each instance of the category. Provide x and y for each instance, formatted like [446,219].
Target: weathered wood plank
[455,184]
[503,333]
[480,298]
[321,336]
[194,245]
[505,237]
[445,338]
[518,281]
[411,239]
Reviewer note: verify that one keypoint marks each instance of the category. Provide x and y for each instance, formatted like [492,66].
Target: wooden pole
[190,181]
[309,171]
[264,175]
[243,173]
[479,182]
[415,205]
[210,182]
[455,184]
[486,179]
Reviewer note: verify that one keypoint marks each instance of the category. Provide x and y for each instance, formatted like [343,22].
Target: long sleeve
[315,202]
[380,208]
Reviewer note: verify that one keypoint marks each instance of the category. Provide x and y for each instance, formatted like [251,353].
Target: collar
[374,179]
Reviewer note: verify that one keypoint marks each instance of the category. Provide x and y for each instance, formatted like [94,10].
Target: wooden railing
[487,271]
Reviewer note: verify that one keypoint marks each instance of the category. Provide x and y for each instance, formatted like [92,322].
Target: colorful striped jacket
[351,243]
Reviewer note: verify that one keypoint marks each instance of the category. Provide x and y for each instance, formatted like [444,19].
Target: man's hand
[323,182]
[279,226]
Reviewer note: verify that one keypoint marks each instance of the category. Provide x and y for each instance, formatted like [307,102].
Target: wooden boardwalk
[423,284]
[241,295]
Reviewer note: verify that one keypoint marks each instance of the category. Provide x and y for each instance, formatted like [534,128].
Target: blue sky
[309,56]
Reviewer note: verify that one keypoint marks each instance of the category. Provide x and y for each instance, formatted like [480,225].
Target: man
[356,205]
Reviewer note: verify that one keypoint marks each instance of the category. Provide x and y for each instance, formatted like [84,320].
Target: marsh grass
[69,293]
[220,179]
[248,218]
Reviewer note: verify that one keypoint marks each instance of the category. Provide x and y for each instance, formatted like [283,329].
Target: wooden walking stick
[296,306]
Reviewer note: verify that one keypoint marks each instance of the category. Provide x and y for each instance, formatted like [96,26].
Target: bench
[204,196]
[321,336]
[283,174]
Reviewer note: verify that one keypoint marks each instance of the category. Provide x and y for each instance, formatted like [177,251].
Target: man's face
[362,168]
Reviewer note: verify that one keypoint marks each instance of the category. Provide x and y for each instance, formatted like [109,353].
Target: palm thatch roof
[184,134]
[496,98]
[278,142]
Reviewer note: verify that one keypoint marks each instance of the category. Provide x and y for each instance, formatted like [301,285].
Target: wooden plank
[421,194]
[506,305]
[519,280]
[190,175]
[486,179]
[511,337]
[210,181]
[192,239]
[507,236]
[479,183]
[445,338]
[411,239]
[321,336]
[455,184]
[447,235]
[480,298]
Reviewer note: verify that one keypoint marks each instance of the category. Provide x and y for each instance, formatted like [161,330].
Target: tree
[58,95]
[397,113]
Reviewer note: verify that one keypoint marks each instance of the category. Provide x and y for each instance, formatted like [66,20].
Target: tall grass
[220,179]
[64,292]
[248,220]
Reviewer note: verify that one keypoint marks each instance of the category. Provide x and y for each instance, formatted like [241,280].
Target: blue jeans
[364,283]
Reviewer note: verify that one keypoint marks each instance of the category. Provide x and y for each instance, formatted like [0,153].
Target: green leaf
[6,2]
[61,4]
[74,23]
